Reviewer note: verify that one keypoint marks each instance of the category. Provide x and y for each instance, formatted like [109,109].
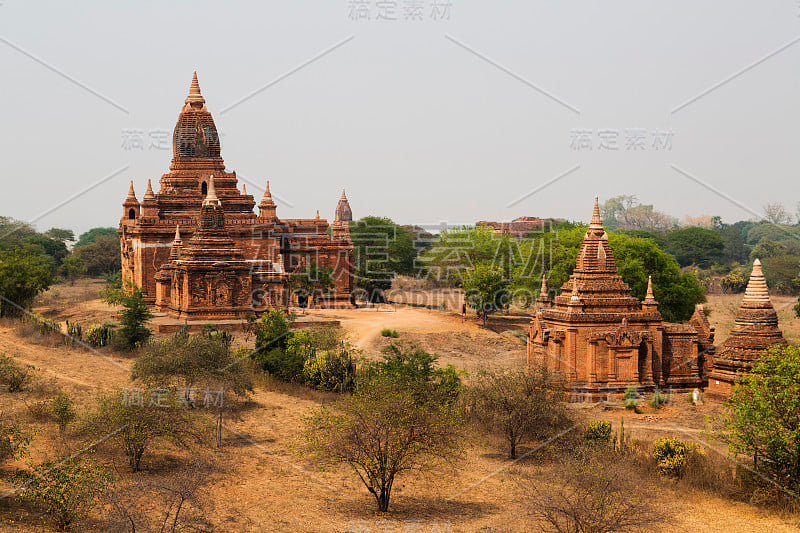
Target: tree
[382,250]
[763,417]
[133,422]
[93,234]
[56,249]
[734,250]
[13,440]
[517,405]
[486,290]
[59,234]
[695,245]
[101,255]
[65,489]
[134,315]
[23,275]
[382,431]
[416,369]
[314,280]
[73,267]
[627,213]
[776,213]
[195,361]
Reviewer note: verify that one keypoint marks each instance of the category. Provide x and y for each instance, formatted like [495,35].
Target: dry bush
[596,492]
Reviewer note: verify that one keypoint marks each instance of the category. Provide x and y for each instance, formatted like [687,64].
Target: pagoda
[602,339]
[245,259]
[756,331]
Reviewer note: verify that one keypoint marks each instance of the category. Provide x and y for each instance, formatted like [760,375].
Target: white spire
[211,197]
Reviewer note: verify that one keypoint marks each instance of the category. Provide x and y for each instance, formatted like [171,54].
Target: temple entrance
[204,189]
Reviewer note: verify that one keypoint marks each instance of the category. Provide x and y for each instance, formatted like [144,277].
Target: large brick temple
[603,339]
[199,251]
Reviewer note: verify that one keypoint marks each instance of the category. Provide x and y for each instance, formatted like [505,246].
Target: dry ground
[265,486]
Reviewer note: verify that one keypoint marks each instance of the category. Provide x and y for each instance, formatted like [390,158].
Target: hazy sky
[451,118]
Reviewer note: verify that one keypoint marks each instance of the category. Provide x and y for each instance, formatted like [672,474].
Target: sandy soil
[268,487]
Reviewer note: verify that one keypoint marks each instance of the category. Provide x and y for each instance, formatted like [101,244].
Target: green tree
[763,418]
[101,255]
[93,234]
[73,267]
[313,281]
[133,317]
[23,275]
[382,250]
[486,290]
[59,234]
[734,250]
[195,362]
[383,431]
[695,245]
[56,249]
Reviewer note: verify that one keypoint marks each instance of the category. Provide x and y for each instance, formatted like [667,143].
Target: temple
[756,330]
[602,339]
[197,248]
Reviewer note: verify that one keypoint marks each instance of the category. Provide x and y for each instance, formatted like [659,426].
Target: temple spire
[211,197]
[649,296]
[543,290]
[177,233]
[148,195]
[194,92]
[131,194]
[756,291]
[317,214]
[596,222]
[244,188]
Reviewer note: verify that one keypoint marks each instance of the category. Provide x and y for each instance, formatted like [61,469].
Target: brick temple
[199,251]
[756,330]
[603,339]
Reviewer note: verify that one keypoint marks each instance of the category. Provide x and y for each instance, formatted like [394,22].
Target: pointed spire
[267,201]
[244,188]
[267,194]
[543,290]
[131,194]
[317,214]
[177,233]
[148,195]
[649,295]
[194,92]
[575,297]
[756,291]
[596,222]
[344,196]
[211,197]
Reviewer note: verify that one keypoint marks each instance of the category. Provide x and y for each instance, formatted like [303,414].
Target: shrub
[62,409]
[630,400]
[735,281]
[13,375]
[98,335]
[386,332]
[74,333]
[210,332]
[658,399]
[13,441]
[64,489]
[330,370]
[599,432]
[670,455]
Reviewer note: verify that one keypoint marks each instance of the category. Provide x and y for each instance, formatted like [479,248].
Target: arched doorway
[204,188]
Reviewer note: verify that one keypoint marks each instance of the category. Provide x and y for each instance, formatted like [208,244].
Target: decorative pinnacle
[267,201]
[344,197]
[149,195]
[317,214]
[131,194]
[596,222]
[756,291]
[177,233]
[649,297]
[194,92]
[574,297]
[244,188]
[211,197]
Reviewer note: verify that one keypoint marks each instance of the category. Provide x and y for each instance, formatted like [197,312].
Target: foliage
[73,267]
[416,369]
[781,273]
[734,250]
[695,245]
[381,250]
[93,234]
[598,432]
[272,331]
[99,334]
[12,375]
[763,417]
[13,441]
[134,423]
[134,315]
[383,431]
[62,409]
[630,399]
[59,234]
[485,290]
[670,455]
[210,332]
[330,370]
[100,256]
[23,275]
[64,489]
[627,213]
[735,281]
[386,332]
[658,399]
[517,405]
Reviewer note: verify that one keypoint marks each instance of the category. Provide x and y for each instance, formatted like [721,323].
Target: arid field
[260,483]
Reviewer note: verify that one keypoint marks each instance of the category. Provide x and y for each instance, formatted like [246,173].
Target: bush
[13,375]
[65,489]
[210,332]
[74,333]
[599,432]
[330,370]
[658,399]
[13,441]
[735,281]
[386,332]
[630,400]
[670,455]
[98,335]
[62,409]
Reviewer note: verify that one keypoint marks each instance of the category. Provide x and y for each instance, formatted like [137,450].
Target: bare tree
[776,213]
